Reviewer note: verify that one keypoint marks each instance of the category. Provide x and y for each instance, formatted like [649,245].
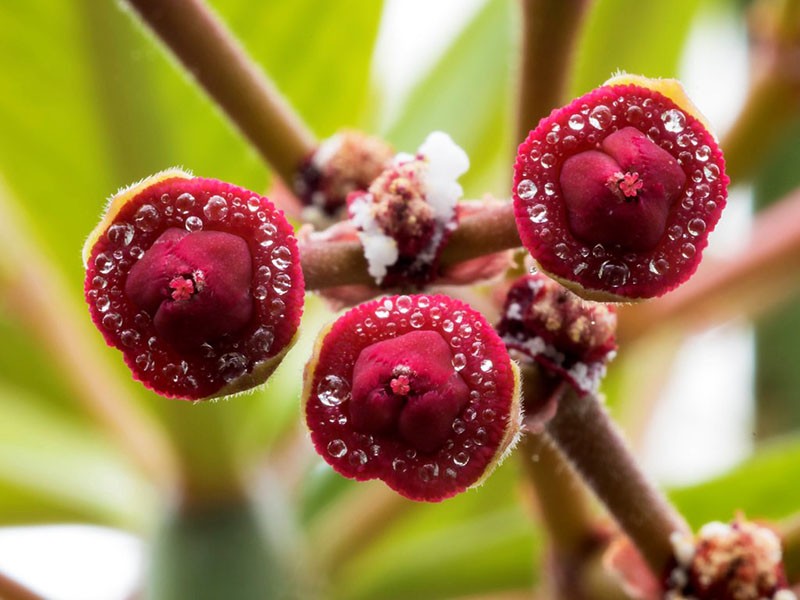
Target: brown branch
[550,31]
[583,430]
[12,590]
[330,264]
[754,280]
[214,58]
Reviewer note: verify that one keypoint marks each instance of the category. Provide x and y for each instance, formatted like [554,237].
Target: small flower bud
[415,390]
[616,193]
[569,337]
[197,282]
[409,211]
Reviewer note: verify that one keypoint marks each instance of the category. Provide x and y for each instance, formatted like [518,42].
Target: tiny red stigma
[401,385]
[628,183]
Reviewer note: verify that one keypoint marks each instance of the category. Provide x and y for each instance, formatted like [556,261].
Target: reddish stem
[212,55]
[583,430]
[12,590]
[550,31]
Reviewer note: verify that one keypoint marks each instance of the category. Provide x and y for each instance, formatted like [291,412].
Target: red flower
[418,391]
[197,282]
[616,193]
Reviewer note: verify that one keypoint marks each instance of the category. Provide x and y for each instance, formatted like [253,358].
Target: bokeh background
[89,102]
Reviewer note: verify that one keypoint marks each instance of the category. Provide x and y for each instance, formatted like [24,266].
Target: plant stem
[11,590]
[790,534]
[212,55]
[583,430]
[550,31]
[762,275]
[330,264]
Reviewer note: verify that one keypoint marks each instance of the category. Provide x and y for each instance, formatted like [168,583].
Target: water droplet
[253,203]
[674,120]
[459,427]
[281,257]
[579,268]
[112,321]
[598,251]
[526,189]
[711,172]
[659,266]
[231,366]
[688,250]
[548,160]
[448,326]
[614,273]
[263,274]
[600,117]
[282,283]
[399,465]
[207,350]
[436,313]
[455,341]
[184,202]
[423,302]
[136,252]
[486,365]
[477,349]
[381,313]
[685,140]
[129,337]
[260,292]
[147,218]
[358,458]
[634,114]
[216,209]
[703,153]
[262,339]
[193,223]
[674,232]
[337,448]
[552,138]
[120,234]
[404,304]
[461,459]
[561,250]
[104,263]
[417,320]
[103,304]
[576,122]
[549,188]
[480,437]
[489,415]
[172,372]
[459,361]
[277,308]
[696,227]
[333,390]
[428,471]
[144,361]
[538,213]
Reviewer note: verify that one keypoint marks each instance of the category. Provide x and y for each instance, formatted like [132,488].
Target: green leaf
[645,38]
[467,95]
[56,469]
[763,487]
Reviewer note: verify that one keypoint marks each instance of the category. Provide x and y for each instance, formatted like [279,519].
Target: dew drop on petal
[703,153]
[600,117]
[688,250]
[576,122]
[674,120]
[216,209]
[538,213]
[548,160]
[659,266]
[147,218]
[337,448]
[614,273]
[104,263]
[231,366]
[404,304]
[526,189]
[253,203]
[461,459]
[193,223]
[281,257]
[262,339]
[120,234]
[696,227]
[184,203]
[332,390]
[428,472]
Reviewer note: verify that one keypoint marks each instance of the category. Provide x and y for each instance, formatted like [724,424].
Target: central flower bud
[408,385]
[195,286]
[622,193]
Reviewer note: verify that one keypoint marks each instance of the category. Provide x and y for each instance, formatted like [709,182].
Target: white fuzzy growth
[682,547]
[326,151]
[784,595]
[379,249]
[715,529]
[446,162]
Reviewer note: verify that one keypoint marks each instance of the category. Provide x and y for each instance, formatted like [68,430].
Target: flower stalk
[594,445]
[208,51]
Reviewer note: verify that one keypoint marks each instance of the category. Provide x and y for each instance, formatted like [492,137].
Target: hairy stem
[330,264]
[583,430]
[11,590]
[212,55]
[759,277]
[550,31]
